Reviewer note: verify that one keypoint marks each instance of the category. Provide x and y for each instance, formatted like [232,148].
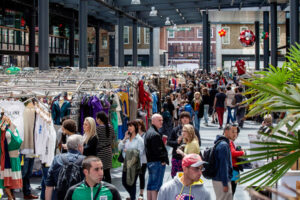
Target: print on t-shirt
[184,197]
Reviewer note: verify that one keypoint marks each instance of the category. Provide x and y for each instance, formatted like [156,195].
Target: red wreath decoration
[247,38]
[222,33]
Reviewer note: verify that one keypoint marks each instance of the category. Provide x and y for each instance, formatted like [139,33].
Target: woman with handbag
[131,141]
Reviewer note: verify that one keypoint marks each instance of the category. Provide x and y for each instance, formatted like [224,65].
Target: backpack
[69,175]
[188,108]
[209,157]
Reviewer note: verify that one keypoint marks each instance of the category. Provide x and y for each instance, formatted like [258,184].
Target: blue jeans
[26,174]
[234,113]
[131,189]
[206,107]
[45,173]
[156,175]
[229,115]
[197,121]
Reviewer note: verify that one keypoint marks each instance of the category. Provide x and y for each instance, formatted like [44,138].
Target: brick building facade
[186,45]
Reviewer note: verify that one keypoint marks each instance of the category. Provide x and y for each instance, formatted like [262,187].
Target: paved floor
[208,135]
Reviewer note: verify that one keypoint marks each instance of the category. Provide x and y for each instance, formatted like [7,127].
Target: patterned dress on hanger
[10,166]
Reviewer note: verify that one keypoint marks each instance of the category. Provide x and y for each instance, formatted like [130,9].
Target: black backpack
[69,175]
[208,156]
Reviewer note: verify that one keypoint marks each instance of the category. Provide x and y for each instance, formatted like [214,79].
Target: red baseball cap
[192,160]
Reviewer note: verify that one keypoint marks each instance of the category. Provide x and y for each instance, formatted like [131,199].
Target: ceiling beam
[123,13]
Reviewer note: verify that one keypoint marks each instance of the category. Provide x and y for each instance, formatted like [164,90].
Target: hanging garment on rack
[10,173]
[85,111]
[154,104]
[29,121]
[105,103]
[174,82]
[144,97]
[124,127]
[118,109]
[47,155]
[58,112]
[96,106]
[113,114]
[123,96]
[14,110]
[40,135]
[133,103]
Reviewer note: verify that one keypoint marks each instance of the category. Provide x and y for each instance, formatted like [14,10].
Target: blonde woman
[90,137]
[191,141]
[198,108]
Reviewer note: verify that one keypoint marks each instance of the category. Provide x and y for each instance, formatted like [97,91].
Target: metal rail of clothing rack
[41,88]
[73,80]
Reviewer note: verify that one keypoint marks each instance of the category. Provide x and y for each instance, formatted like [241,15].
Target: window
[181,48]
[199,33]
[146,35]
[126,34]
[171,34]
[226,38]
[139,35]
[243,28]
[4,36]
[11,36]
[104,41]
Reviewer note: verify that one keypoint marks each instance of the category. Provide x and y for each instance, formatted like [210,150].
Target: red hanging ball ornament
[247,38]
[222,33]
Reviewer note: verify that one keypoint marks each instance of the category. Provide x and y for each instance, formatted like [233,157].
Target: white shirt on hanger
[40,135]
[14,110]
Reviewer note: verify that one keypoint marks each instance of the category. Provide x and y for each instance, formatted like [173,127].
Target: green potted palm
[276,90]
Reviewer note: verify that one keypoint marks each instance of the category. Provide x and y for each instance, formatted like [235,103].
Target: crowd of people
[89,156]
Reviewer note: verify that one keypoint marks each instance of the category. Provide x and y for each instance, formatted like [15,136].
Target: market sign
[180,29]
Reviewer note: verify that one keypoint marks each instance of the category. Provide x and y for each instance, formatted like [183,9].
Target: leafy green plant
[285,149]
[276,90]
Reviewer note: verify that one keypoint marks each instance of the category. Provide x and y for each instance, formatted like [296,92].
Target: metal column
[97,57]
[266,41]
[71,43]
[257,53]
[151,61]
[208,46]
[274,58]
[294,23]
[83,24]
[134,44]
[43,34]
[205,41]
[32,37]
[112,50]
[121,41]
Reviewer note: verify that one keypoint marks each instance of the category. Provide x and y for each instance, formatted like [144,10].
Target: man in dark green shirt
[92,187]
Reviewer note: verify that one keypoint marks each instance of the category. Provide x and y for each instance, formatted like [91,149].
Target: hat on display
[192,160]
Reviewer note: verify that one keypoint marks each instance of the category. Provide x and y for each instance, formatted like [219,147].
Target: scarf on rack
[144,97]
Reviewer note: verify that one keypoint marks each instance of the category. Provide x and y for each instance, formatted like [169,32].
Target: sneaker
[220,127]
